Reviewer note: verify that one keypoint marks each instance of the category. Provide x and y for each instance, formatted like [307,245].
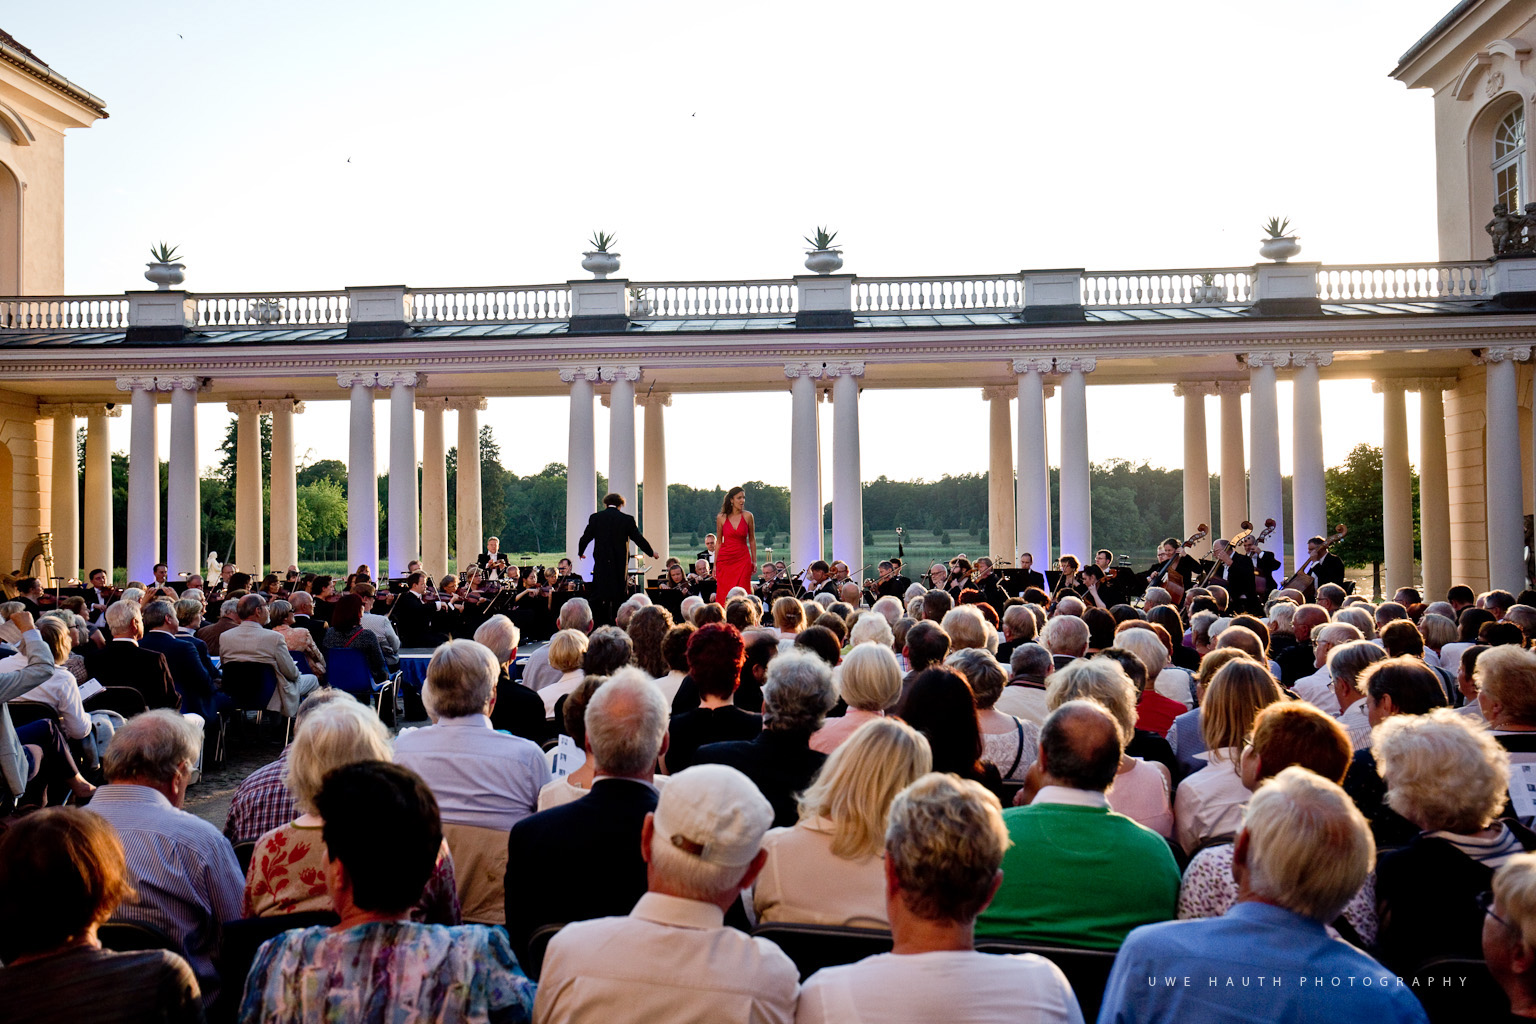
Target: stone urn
[1208,294]
[266,311]
[824,261]
[600,264]
[1279,249]
[164,275]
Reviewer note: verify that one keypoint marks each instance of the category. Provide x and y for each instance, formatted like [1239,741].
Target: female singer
[736,557]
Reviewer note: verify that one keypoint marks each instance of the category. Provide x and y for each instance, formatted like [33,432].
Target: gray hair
[1200,626]
[460,678]
[1020,620]
[798,692]
[189,611]
[303,602]
[250,607]
[279,612]
[965,626]
[1348,660]
[500,635]
[122,615]
[626,722]
[1309,848]
[889,608]
[228,607]
[1031,659]
[690,604]
[824,599]
[982,671]
[158,613]
[870,677]
[576,613]
[9,608]
[608,650]
[1065,634]
[871,628]
[944,841]
[152,747]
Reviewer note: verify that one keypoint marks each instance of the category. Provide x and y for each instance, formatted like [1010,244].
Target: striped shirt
[185,872]
[1491,852]
[261,804]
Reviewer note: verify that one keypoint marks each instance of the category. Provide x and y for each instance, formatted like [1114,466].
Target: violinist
[959,576]
[100,596]
[1182,571]
[675,579]
[821,579]
[1093,588]
[325,597]
[888,582]
[412,616]
[492,561]
[567,580]
[1110,588]
[986,580]
[1066,583]
[701,582]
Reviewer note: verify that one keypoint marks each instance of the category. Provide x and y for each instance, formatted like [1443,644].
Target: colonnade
[1250,488]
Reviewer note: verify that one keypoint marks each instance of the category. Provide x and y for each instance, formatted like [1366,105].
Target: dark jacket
[609,532]
[413,621]
[693,729]
[781,764]
[577,861]
[519,710]
[121,663]
[187,672]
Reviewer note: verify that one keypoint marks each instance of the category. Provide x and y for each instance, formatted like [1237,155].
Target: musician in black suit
[1265,564]
[594,841]
[412,617]
[984,578]
[821,579]
[701,582]
[609,532]
[492,561]
[1325,567]
[887,583]
[1235,573]
[1027,576]
[29,593]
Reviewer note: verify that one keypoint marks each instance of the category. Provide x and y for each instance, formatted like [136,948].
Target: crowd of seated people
[1321,789]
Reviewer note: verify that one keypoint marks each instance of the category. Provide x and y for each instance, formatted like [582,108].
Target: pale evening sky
[488,139]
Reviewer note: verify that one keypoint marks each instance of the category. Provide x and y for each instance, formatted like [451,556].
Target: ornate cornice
[1034,364]
[611,373]
[655,400]
[797,370]
[1232,387]
[358,378]
[1498,354]
[1003,393]
[466,403]
[398,378]
[1311,358]
[242,408]
[1197,388]
[570,374]
[1267,360]
[1076,364]
[845,368]
[78,409]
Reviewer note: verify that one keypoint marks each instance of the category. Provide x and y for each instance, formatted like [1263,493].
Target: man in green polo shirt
[1078,874]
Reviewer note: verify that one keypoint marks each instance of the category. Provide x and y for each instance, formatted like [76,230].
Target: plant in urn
[1280,243]
[821,258]
[600,262]
[164,271]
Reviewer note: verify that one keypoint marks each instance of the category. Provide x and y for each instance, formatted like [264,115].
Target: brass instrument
[997,563]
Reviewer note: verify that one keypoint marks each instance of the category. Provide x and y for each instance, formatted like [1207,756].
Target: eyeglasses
[1485,903]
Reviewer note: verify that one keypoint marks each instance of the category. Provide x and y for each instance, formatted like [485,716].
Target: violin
[1168,575]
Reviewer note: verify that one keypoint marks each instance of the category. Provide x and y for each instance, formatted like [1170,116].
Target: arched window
[1509,159]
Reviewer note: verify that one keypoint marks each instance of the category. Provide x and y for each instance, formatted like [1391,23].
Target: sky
[314,146]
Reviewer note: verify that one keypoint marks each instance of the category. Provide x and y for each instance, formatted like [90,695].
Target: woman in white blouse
[829,868]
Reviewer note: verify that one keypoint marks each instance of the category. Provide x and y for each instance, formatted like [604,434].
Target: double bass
[1308,584]
[1168,575]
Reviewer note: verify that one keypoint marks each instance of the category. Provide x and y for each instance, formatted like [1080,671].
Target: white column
[285,491]
[804,466]
[621,430]
[656,521]
[1506,527]
[847,492]
[64,520]
[1234,474]
[1076,510]
[1000,515]
[1033,502]
[98,489]
[183,491]
[467,538]
[1434,489]
[1197,472]
[404,535]
[1396,486]
[248,554]
[434,487]
[1309,501]
[362,478]
[143,480]
[581,466]
[1264,493]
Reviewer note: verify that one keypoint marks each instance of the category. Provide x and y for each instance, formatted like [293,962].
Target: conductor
[609,532]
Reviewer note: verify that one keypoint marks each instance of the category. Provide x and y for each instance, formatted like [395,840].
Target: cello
[1168,575]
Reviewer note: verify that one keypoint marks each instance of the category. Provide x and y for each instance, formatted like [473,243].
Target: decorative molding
[135,383]
[244,406]
[796,370]
[610,373]
[356,378]
[1034,364]
[396,378]
[591,374]
[1076,364]
[1516,353]
[181,382]
[1312,358]
[433,403]
[298,406]
[1422,384]
[467,403]
[1049,391]
[1004,393]
[1271,360]
[1231,387]
[844,369]
[656,399]
[79,410]
[1199,388]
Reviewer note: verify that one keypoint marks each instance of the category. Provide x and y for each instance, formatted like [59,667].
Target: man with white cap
[673,958]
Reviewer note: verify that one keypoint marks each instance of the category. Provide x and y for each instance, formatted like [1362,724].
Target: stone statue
[1503,229]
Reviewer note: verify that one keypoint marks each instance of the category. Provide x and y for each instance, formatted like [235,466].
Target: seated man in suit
[412,617]
[187,672]
[1028,576]
[252,641]
[517,710]
[592,845]
[29,592]
[122,662]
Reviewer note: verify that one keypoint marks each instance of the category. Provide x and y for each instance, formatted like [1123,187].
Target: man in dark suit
[1265,564]
[1322,566]
[582,859]
[1027,576]
[412,617]
[821,580]
[1236,574]
[29,593]
[188,675]
[492,560]
[609,532]
[122,662]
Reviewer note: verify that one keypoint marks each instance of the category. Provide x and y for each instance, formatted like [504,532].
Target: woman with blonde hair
[288,868]
[788,618]
[566,650]
[829,867]
[870,682]
[1210,802]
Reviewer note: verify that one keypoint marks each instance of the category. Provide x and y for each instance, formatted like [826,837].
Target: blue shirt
[479,776]
[1258,963]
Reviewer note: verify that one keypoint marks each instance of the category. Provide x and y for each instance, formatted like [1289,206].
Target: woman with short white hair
[566,649]
[288,868]
[1450,778]
[870,681]
[870,628]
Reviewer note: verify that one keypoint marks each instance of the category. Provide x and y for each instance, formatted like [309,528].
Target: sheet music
[568,758]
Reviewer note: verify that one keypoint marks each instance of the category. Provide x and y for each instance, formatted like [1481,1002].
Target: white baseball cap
[715,813]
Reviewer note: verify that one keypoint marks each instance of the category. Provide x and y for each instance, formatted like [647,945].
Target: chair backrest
[239,942]
[479,870]
[25,712]
[538,944]
[134,937]
[243,853]
[301,662]
[814,946]
[1086,969]
[346,669]
[125,700]
[250,684]
[1456,989]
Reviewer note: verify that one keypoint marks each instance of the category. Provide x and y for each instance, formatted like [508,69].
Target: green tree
[322,509]
[1354,498]
[225,470]
[331,470]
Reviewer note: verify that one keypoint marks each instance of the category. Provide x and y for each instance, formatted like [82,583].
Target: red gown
[733,562]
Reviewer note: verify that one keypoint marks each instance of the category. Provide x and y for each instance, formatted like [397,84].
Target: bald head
[1080,746]
[1306,618]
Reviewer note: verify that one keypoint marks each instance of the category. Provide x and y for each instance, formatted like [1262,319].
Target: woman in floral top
[299,640]
[375,966]
[287,872]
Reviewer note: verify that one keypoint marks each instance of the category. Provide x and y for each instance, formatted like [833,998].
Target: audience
[673,957]
[944,848]
[715,657]
[1024,696]
[942,707]
[1007,743]
[376,956]
[252,642]
[1509,933]
[870,683]
[263,802]
[517,709]
[567,649]
[346,631]
[827,868]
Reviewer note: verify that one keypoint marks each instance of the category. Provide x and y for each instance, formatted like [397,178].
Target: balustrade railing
[955,293]
[1199,287]
[1395,281]
[271,309]
[491,305]
[60,312]
[664,299]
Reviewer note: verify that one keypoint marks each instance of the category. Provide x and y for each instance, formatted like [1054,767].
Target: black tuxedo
[609,532]
[1266,566]
[1329,570]
[519,711]
[413,621]
[486,558]
[188,674]
[1031,578]
[121,663]
[827,586]
[577,861]
[1241,584]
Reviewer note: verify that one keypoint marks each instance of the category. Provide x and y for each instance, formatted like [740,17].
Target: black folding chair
[134,937]
[814,946]
[25,712]
[538,945]
[1086,969]
[1456,989]
[239,942]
